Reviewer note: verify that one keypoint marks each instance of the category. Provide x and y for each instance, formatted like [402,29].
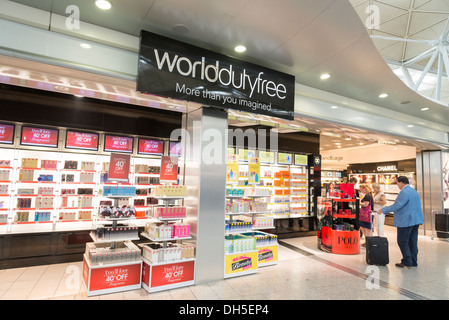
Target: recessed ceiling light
[103,4]
[383,95]
[334,107]
[424,109]
[85,46]
[410,126]
[325,76]
[180,28]
[240,48]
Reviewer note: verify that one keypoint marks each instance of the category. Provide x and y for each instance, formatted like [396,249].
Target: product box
[171,191]
[87,165]
[5,163]
[49,164]
[3,217]
[30,163]
[85,215]
[4,188]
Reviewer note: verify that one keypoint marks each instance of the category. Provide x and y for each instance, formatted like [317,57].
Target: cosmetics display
[101,254]
[112,247]
[118,233]
[156,253]
[117,211]
[169,212]
[338,225]
[109,191]
[168,265]
[238,226]
[170,191]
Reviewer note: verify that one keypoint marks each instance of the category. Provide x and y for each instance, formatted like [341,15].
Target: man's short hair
[403,179]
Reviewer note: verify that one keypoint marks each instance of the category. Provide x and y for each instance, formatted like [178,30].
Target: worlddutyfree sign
[174,69]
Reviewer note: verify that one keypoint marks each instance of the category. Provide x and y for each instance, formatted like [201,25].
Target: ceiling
[411,20]
[304,38]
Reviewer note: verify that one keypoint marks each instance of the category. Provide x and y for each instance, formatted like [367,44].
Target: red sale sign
[120,144]
[169,168]
[119,167]
[6,133]
[115,277]
[81,140]
[172,273]
[147,146]
[39,137]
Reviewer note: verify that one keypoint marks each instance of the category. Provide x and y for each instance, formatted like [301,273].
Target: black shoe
[401,265]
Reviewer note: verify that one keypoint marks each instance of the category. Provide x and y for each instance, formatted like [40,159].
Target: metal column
[205,146]
[429,185]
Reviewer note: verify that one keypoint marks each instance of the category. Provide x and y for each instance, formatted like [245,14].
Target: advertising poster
[119,144]
[300,159]
[119,167]
[81,140]
[232,169]
[266,156]
[241,262]
[147,146]
[284,158]
[174,273]
[39,137]
[114,277]
[6,133]
[253,170]
[169,169]
[445,163]
[267,254]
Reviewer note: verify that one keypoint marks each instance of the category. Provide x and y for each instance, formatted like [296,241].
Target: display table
[340,242]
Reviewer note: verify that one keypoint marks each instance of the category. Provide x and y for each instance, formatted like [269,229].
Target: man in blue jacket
[407,218]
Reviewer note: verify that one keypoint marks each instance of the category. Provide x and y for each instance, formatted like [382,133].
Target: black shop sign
[174,69]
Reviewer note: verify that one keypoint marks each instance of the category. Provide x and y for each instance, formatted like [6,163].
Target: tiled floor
[303,272]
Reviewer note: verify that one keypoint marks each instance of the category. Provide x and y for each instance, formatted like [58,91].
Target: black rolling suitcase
[377,251]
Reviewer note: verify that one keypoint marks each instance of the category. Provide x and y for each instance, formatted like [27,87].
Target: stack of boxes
[102,254]
[169,212]
[155,252]
[159,231]
[239,243]
[119,191]
[170,191]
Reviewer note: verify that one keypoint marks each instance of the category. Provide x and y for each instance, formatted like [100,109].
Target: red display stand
[169,275]
[336,214]
[340,242]
[111,278]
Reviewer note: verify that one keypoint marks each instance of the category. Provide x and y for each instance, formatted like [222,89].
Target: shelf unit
[289,185]
[243,256]
[74,194]
[175,272]
[114,273]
